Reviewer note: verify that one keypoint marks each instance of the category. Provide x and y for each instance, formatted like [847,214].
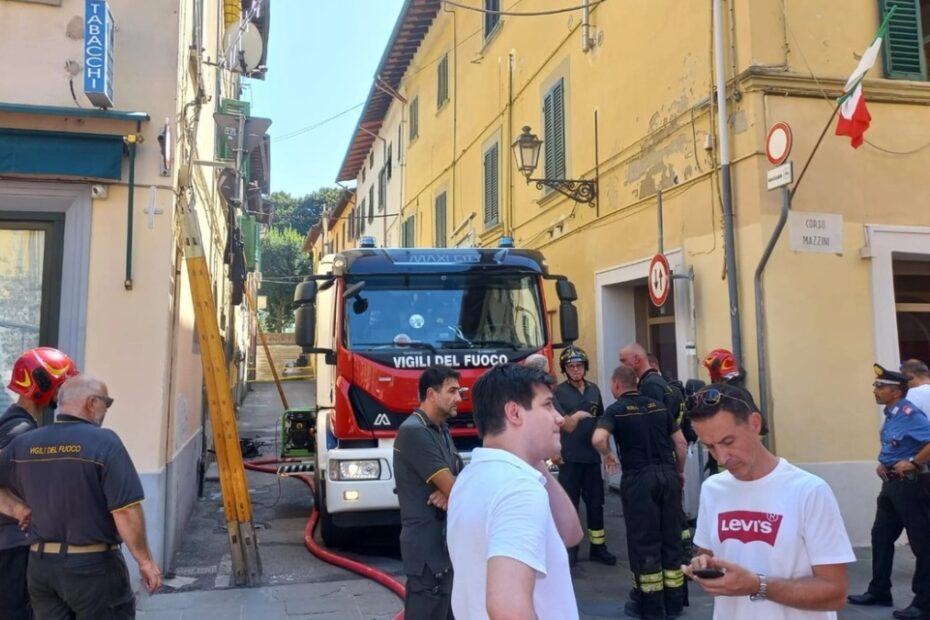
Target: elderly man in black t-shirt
[580,402]
[86,500]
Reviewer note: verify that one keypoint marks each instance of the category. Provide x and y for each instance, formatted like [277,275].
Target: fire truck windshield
[444,311]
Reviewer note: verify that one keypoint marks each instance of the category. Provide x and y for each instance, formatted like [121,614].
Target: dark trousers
[80,586]
[14,597]
[584,481]
[902,505]
[429,596]
[651,499]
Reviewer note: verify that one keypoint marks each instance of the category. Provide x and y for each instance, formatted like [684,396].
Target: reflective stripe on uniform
[598,537]
[673,578]
[651,582]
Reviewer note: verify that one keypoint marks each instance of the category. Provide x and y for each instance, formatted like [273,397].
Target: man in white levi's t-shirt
[918,384]
[509,519]
[773,530]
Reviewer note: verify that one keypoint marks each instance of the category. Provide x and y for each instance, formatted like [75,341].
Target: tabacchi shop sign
[98,53]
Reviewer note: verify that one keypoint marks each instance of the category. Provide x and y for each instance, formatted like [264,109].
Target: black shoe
[599,553]
[870,599]
[912,613]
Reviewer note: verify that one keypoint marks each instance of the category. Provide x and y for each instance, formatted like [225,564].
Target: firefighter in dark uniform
[36,377]
[85,497]
[580,470]
[652,450]
[903,502]
[425,466]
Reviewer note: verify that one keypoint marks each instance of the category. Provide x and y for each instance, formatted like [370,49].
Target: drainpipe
[132,140]
[728,233]
[767,409]
[586,27]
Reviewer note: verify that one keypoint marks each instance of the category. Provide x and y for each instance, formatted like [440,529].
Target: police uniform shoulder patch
[906,410]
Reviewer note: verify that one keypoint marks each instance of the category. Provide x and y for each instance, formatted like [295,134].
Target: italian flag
[854,116]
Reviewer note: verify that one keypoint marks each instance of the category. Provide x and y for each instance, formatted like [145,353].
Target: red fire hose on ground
[380,577]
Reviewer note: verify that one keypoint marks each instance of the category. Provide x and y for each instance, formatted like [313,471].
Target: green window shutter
[440,240]
[225,145]
[442,81]
[554,131]
[361,218]
[903,48]
[371,203]
[414,118]
[491,187]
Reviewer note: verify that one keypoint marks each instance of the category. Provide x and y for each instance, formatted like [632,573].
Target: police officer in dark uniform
[652,450]
[425,466]
[903,502]
[580,470]
[86,499]
[37,375]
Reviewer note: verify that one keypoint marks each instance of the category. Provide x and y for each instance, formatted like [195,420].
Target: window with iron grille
[492,186]
[414,118]
[440,219]
[382,188]
[906,47]
[409,232]
[442,81]
[554,131]
[491,17]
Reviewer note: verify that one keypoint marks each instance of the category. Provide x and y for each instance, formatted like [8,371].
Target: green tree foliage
[283,264]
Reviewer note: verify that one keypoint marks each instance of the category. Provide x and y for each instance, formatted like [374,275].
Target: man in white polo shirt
[509,520]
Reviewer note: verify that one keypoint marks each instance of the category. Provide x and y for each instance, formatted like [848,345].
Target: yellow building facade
[624,94]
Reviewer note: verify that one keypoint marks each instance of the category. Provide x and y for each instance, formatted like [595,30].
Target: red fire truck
[375,318]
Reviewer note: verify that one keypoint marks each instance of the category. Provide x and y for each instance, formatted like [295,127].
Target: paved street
[297,585]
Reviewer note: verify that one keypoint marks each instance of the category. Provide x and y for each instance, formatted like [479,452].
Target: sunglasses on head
[711,397]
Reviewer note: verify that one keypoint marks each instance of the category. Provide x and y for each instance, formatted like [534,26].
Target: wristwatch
[763,593]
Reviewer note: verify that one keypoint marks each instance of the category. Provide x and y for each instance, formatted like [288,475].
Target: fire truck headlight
[354,470]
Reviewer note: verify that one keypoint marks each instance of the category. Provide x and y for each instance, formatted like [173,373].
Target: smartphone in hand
[708,573]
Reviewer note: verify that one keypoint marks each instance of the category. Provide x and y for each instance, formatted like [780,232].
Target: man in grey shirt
[425,466]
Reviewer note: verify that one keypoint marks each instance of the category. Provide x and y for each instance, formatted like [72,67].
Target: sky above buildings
[322,60]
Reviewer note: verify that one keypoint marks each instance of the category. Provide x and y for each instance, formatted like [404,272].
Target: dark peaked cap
[889,377]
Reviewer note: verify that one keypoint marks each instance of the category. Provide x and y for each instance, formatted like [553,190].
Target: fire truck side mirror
[305,314]
[565,291]
[568,321]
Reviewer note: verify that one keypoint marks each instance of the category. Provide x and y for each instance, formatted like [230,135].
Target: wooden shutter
[440,240]
[442,81]
[371,203]
[903,47]
[414,118]
[554,131]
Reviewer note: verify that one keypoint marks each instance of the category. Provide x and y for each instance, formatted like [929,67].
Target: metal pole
[767,409]
[659,223]
[723,136]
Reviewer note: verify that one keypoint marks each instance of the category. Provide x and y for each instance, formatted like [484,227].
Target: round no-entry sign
[778,143]
[660,280]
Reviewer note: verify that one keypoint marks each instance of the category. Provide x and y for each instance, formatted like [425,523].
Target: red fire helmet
[721,365]
[39,372]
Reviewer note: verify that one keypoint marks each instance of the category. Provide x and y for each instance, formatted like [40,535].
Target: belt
[56,547]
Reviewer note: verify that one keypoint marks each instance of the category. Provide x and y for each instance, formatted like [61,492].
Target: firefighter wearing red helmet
[722,367]
[580,471]
[36,377]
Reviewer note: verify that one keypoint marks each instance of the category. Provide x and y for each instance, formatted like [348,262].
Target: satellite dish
[227,184]
[243,44]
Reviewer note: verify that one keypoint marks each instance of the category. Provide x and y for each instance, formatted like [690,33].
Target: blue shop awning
[61,154]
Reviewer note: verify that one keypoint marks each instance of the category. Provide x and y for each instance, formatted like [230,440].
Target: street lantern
[526,151]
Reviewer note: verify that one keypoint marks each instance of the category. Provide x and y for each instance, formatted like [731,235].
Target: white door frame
[615,331]
[882,244]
